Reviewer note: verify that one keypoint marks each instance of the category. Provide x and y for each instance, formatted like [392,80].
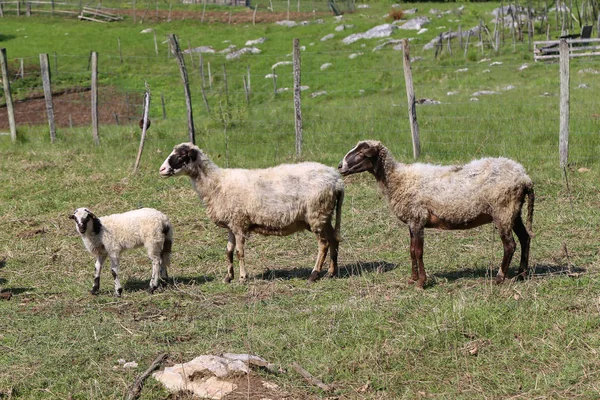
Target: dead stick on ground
[311,379]
[136,388]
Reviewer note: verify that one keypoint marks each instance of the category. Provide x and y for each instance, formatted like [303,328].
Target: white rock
[462,70]
[281,90]
[363,6]
[473,99]
[509,87]
[256,41]
[496,63]
[244,50]
[325,66]
[327,37]
[422,30]
[316,94]
[287,23]
[486,71]
[583,86]
[201,49]
[354,55]
[522,67]
[451,93]
[415,23]
[271,76]
[484,92]
[588,71]
[148,30]
[130,364]
[376,32]
[280,63]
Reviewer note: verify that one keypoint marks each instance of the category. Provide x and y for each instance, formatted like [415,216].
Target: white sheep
[110,235]
[450,197]
[272,201]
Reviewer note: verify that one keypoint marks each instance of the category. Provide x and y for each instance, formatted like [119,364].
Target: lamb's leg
[414,277]
[230,248]
[525,242]
[240,240]
[98,267]
[165,256]
[509,249]
[417,241]
[156,271]
[323,248]
[114,269]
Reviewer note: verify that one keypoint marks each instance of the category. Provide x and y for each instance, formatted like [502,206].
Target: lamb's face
[82,217]
[177,162]
[361,158]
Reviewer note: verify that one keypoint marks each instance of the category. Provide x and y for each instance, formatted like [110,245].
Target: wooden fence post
[45,70]
[8,95]
[297,98]
[164,109]
[226,85]
[410,94]
[134,16]
[144,128]
[564,103]
[120,52]
[186,85]
[94,96]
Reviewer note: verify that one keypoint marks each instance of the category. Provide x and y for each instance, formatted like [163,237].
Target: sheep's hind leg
[525,242]
[323,248]
[156,271]
[334,245]
[414,277]
[98,268]
[165,257]
[230,248]
[114,269]
[509,249]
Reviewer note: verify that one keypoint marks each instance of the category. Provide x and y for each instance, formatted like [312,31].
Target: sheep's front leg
[417,240]
[98,267]
[240,240]
[414,277]
[230,248]
[114,269]
[509,250]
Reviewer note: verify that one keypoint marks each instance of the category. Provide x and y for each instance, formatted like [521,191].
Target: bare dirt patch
[72,107]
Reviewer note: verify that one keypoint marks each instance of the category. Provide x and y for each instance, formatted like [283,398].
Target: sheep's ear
[72,216]
[193,154]
[371,151]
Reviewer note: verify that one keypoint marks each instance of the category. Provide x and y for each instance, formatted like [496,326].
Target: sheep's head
[83,217]
[177,162]
[363,157]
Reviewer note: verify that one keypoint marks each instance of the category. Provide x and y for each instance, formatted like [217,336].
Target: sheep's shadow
[538,270]
[344,271]
[16,290]
[4,37]
[134,285]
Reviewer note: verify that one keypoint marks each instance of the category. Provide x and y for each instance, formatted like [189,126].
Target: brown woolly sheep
[450,197]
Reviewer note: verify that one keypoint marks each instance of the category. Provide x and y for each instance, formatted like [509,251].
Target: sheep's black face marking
[361,158]
[178,160]
[82,216]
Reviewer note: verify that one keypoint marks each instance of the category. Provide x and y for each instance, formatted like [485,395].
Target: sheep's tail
[529,192]
[338,213]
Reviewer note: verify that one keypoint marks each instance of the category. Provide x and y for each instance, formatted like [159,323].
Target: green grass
[367,333]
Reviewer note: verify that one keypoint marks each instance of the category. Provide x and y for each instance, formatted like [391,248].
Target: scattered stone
[121,361]
[327,37]
[226,41]
[340,28]
[545,94]
[271,76]
[473,99]
[484,92]
[354,55]
[325,66]
[260,40]
[589,71]
[415,23]
[583,86]
[287,23]
[147,30]
[509,87]
[413,59]
[409,11]
[281,90]
[319,21]
[280,63]
[441,27]
[451,93]
[450,35]
[484,60]
[361,91]
[422,30]
[496,63]
[486,71]
[130,364]
[427,101]
[201,49]
[397,43]
[338,18]
[303,88]
[363,6]
[317,94]
[376,32]
[522,67]
[244,50]
[462,70]
[228,49]
[434,11]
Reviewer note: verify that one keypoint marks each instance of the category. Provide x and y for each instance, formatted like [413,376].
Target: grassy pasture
[368,333]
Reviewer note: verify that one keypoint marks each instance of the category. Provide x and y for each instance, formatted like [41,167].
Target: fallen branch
[311,379]
[136,388]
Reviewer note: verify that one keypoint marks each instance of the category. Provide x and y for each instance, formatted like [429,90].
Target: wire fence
[464,108]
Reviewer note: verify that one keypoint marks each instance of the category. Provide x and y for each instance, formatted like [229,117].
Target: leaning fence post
[95,98]
[8,96]
[564,103]
[145,125]
[186,85]
[410,94]
[45,69]
[297,97]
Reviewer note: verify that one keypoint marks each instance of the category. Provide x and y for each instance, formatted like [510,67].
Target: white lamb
[274,201]
[108,236]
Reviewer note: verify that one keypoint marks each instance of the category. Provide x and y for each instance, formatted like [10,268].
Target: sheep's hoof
[119,292]
[94,291]
[151,289]
[228,279]
[243,280]
[330,275]
[420,286]
[411,281]
[313,276]
[499,280]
